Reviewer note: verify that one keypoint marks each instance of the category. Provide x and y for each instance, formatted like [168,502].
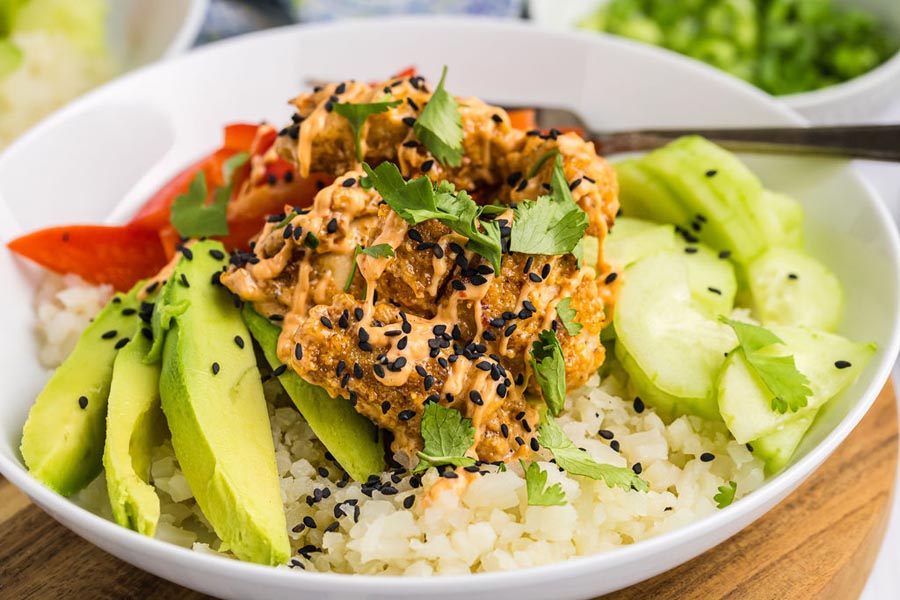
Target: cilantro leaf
[447,437]
[414,200]
[551,224]
[578,253]
[789,387]
[356,115]
[379,251]
[232,164]
[418,201]
[376,251]
[311,241]
[192,218]
[726,494]
[567,316]
[549,368]
[539,494]
[539,163]
[578,462]
[439,127]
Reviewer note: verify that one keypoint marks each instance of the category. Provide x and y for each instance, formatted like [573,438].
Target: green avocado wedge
[63,438]
[350,437]
[134,426]
[213,401]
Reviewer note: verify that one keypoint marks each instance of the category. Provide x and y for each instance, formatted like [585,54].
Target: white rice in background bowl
[429,525]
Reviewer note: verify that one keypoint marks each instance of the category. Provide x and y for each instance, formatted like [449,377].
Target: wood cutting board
[820,543]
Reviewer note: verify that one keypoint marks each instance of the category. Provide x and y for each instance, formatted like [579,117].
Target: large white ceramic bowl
[102,155]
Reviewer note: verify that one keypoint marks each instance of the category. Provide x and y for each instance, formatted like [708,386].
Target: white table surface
[884,583]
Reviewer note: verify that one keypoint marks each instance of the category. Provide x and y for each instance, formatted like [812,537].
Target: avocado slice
[134,426]
[213,401]
[62,441]
[350,437]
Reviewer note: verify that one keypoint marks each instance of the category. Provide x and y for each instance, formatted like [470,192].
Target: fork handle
[877,142]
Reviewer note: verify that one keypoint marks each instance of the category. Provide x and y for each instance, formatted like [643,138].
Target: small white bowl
[857,100]
[144,31]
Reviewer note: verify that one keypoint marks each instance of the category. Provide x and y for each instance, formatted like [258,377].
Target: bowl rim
[188,31]
[776,487]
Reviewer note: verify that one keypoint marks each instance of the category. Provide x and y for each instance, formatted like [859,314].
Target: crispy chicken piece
[434,322]
[389,364]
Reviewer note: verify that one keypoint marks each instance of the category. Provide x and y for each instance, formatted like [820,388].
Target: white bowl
[854,101]
[144,31]
[146,126]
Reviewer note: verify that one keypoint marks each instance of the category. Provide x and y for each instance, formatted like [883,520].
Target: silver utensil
[876,142]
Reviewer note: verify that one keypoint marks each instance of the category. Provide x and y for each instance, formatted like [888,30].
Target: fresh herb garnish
[726,494]
[439,127]
[376,251]
[578,462]
[567,316]
[549,368]
[539,163]
[539,493]
[190,215]
[232,164]
[356,115]
[578,253]
[447,437]
[418,200]
[311,241]
[790,387]
[551,225]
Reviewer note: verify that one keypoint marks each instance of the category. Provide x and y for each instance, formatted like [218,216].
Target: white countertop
[884,583]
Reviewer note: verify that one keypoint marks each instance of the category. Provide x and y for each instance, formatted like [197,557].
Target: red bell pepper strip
[239,136]
[118,255]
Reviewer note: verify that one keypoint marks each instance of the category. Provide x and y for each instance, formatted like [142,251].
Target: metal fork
[873,142]
[876,142]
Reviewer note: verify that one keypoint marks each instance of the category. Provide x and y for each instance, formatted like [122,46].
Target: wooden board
[821,542]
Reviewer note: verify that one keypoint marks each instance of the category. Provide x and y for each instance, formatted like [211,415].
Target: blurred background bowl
[855,100]
[144,31]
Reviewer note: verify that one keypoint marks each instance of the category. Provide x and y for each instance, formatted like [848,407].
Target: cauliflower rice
[429,525]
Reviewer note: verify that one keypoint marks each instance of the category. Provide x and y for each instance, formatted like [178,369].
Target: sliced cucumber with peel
[830,363]
[789,287]
[777,449]
[668,343]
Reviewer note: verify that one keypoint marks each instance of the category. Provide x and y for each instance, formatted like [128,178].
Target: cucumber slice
[644,196]
[783,216]
[777,449]
[628,226]
[622,250]
[790,288]
[745,403]
[669,346]
[718,209]
[711,280]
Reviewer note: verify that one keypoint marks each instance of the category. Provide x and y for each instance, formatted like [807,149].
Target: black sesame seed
[327,323]
[614,445]
[793,276]
[716,291]
[450,474]
[411,144]
[379,370]
[638,405]
[121,343]
[610,278]
[535,446]
[110,334]
[409,121]
[690,250]
[711,173]
[298,351]
[514,177]
[428,383]
[357,371]
[83,402]
[707,457]
[406,415]
[215,368]
[575,184]
[279,371]
[637,468]
[332,226]
[426,166]
[496,118]
[545,271]
[724,254]
[510,330]
[358,313]
[385,407]
[475,397]
[520,440]
[842,364]
[310,522]
[535,277]
[458,285]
